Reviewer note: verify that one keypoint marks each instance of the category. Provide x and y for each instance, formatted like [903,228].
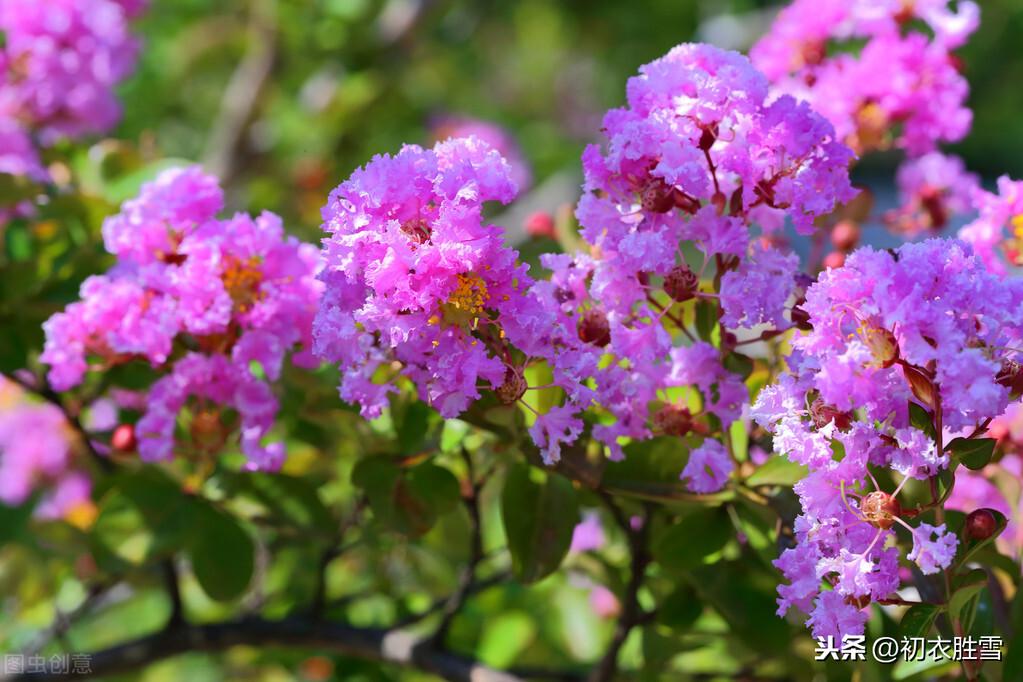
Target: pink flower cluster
[902,78]
[926,324]
[43,459]
[697,157]
[996,214]
[418,285]
[200,297]
[59,64]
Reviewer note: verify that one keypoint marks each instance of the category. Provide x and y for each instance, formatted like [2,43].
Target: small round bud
[594,328]
[707,138]
[981,524]
[835,259]
[540,224]
[673,420]
[513,388]
[729,341]
[681,283]
[880,509]
[123,438]
[657,196]
[845,235]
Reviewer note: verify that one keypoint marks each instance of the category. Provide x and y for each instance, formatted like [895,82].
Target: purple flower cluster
[418,285]
[698,156]
[200,297]
[997,213]
[59,64]
[43,459]
[902,78]
[926,324]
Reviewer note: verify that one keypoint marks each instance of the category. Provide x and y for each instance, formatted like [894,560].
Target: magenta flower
[238,290]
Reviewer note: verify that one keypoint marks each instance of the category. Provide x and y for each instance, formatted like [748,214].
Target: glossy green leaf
[539,517]
[918,619]
[974,453]
[222,554]
[695,537]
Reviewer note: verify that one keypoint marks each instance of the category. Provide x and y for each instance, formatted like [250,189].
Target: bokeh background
[283,99]
[286,97]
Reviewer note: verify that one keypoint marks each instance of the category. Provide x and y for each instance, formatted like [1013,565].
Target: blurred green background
[325,84]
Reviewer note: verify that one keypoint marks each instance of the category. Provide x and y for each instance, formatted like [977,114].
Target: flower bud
[681,283]
[835,259]
[921,384]
[800,318]
[657,196]
[673,420]
[540,224]
[123,438]
[594,328]
[981,524]
[880,509]
[513,388]
[845,235]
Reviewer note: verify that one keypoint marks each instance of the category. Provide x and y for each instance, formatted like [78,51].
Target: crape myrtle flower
[451,126]
[419,285]
[235,292]
[933,188]
[60,61]
[901,79]
[697,156]
[926,324]
[997,214]
[44,460]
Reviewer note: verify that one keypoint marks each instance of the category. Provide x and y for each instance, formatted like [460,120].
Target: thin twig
[386,646]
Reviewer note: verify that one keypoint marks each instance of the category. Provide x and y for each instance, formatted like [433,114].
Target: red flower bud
[673,420]
[835,259]
[123,439]
[845,235]
[594,328]
[681,283]
[981,524]
[540,224]
[880,509]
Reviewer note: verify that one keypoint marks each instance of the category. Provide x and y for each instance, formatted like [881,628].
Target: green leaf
[698,535]
[291,497]
[680,609]
[974,453]
[407,500]
[706,318]
[16,188]
[777,470]
[222,554]
[539,518]
[740,364]
[963,603]
[920,418]
[13,521]
[413,425]
[917,621]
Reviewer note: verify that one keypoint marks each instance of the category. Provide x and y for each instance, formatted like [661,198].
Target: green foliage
[539,517]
